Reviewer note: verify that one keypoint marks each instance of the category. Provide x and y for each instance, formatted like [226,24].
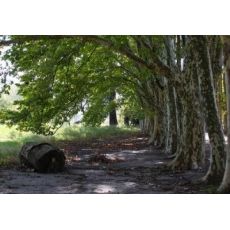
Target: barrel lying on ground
[42,157]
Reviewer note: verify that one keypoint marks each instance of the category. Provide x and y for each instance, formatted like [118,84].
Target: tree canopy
[59,75]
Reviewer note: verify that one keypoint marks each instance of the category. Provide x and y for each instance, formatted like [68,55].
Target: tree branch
[157,66]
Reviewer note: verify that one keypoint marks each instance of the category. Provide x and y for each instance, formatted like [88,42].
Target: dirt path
[119,165]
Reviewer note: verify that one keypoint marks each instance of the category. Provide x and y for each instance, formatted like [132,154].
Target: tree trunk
[154,130]
[172,145]
[113,117]
[225,185]
[145,125]
[219,94]
[214,128]
[126,121]
[190,150]
[42,157]
[113,113]
[225,125]
[163,119]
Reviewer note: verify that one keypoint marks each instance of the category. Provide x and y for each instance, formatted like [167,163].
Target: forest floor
[118,165]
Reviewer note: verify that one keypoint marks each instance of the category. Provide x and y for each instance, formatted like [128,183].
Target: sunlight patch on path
[104,189]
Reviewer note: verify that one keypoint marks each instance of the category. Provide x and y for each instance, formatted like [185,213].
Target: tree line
[178,86]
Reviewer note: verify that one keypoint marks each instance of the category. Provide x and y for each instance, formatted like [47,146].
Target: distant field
[11,139]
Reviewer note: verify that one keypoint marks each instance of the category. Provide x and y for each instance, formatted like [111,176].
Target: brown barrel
[43,157]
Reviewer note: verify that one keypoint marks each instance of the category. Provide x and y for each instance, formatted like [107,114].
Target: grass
[88,133]
[11,140]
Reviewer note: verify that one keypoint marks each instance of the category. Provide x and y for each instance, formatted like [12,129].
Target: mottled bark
[225,111]
[172,142]
[219,99]
[225,185]
[161,137]
[199,131]
[171,135]
[190,150]
[216,168]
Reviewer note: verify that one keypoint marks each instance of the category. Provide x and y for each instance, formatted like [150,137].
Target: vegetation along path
[124,164]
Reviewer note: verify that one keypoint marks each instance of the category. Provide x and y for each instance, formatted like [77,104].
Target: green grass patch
[8,152]
[11,140]
[88,133]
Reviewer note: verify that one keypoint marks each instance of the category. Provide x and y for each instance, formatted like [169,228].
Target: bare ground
[123,165]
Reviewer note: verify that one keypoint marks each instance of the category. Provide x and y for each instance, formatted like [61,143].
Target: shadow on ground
[133,167]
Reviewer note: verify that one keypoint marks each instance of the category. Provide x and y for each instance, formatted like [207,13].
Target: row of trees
[175,84]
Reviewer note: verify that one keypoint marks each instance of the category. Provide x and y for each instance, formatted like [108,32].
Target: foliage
[57,76]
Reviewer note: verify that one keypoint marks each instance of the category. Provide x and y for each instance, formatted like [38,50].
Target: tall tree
[213,125]
[225,185]
[190,151]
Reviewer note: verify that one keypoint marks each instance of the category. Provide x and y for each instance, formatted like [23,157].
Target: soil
[124,164]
